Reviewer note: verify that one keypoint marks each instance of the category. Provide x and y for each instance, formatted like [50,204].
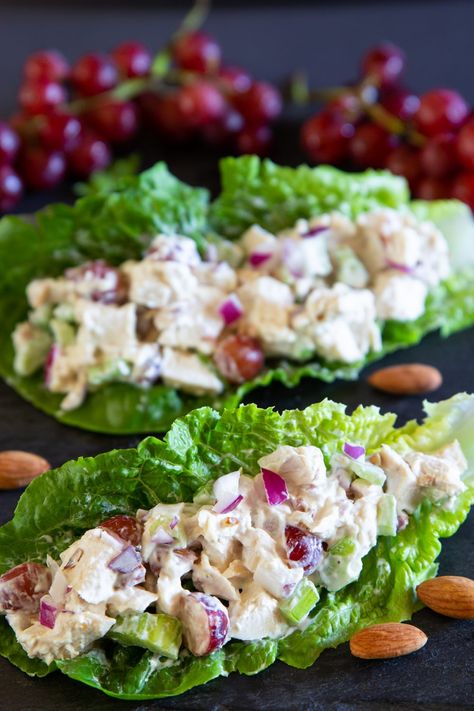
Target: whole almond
[407,379]
[391,639]
[19,468]
[450,595]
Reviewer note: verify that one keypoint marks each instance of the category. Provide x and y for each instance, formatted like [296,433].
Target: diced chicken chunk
[174,248]
[439,474]
[256,615]
[297,465]
[210,580]
[399,296]
[131,599]
[155,284]
[187,372]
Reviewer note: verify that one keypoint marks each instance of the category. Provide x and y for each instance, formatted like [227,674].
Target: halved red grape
[90,154]
[260,104]
[400,102]
[59,130]
[41,168]
[224,129]
[405,160]
[433,188]
[304,548]
[9,144]
[116,121]
[133,59]
[112,290]
[463,188]
[94,73]
[165,113]
[197,52]
[440,111]
[205,623]
[371,145]
[346,107]
[126,527]
[48,64]
[11,188]
[234,79]
[41,96]
[22,587]
[465,145]
[385,62]
[239,358]
[438,156]
[325,138]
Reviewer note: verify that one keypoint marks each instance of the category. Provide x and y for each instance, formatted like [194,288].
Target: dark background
[270,40]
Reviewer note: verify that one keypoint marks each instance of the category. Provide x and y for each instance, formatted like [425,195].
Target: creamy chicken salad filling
[322,288]
[245,560]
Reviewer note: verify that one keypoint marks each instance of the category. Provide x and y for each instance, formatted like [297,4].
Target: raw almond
[407,379]
[450,595]
[19,468]
[391,639]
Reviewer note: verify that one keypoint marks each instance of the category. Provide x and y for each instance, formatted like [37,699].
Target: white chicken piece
[131,599]
[401,481]
[439,474]
[261,557]
[297,465]
[48,291]
[105,332]
[399,296]
[187,372]
[341,322]
[210,580]
[155,284]
[173,248]
[256,615]
[174,564]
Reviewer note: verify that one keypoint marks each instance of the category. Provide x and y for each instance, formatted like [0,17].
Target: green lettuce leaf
[120,213]
[58,506]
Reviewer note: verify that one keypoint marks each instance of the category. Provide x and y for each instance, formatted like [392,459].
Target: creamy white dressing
[242,559]
[320,288]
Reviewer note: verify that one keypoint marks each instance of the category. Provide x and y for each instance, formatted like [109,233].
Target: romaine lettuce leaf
[58,506]
[116,219]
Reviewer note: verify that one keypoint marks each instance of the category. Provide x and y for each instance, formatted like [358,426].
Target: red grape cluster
[72,118]
[379,123]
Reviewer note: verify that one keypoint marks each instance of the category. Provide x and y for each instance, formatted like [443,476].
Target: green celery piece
[159,633]
[112,371]
[64,333]
[33,352]
[387,515]
[344,547]
[368,471]
[300,604]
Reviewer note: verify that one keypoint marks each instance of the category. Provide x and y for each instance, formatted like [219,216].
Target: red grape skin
[370,145]
[440,111]
[115,121]
[438,156]
[405,160]
[40,96]
[126,527]
[22,587]
[254,139]
[205,623]
[94,73]
[223,130]
[346,107]
[400,102]
[260,104]
[133,59]
[46,65]
[234,79]
[463,188]
[9,144]
[165,114]
[433,189]
[200,103]
[325,138]
[41,168]
[90,154]
[465,145]
[385,62]
[304,548]
[11,188]
[239,358]
[197,52]
[59,130]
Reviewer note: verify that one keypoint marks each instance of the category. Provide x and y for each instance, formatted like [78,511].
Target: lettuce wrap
[60,505]
[116,220]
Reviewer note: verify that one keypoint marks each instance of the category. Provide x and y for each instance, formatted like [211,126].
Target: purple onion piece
[354,451]
[48,611]
[399,267]
[126,561]
[315,231]
[174,522]
[224,506]
[258,258]
[275,487]
[231,310]
[162,537]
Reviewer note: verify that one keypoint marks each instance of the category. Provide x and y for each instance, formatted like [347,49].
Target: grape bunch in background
[378,123]
[72,118]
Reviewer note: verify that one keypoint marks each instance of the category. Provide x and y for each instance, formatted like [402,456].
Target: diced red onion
[399,267]
[231,310]
[315,231]
[275,487]
[48,611]
[258,258]
[227,484]
[292,258]
[136,577]
[126,561]
[162,537]
[228,503]
[48,366]
[174,522]
[354,451]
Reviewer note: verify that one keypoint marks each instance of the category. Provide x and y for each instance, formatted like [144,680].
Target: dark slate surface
[327,39]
